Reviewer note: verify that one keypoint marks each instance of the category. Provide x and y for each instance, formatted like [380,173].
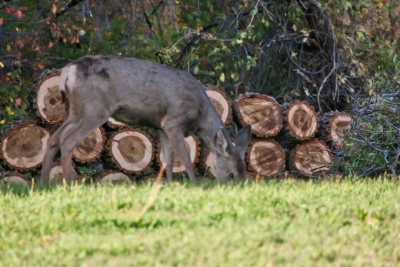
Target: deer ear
[243,138]
[221,144]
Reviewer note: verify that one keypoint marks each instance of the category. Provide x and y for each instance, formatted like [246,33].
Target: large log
[56,174]
[221,104]
[132,150]
[91,147]
[301,120]
[192,145]
[311,158]
[265,157]
[262,112]
[23,148]
[335,125]
[50,105]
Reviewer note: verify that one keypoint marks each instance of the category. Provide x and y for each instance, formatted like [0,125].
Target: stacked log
[288,135]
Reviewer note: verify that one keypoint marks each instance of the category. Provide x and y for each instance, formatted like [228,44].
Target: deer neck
[209,127]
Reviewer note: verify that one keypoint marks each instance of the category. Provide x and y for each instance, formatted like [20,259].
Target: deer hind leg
[177,139]
[166,149]
[73,134]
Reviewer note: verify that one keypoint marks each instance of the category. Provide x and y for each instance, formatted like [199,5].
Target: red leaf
[1,21]
[40,66]
[7,10]
[50,44]
[18,14]
[23,8]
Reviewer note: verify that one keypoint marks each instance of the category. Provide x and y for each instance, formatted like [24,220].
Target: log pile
[286,137]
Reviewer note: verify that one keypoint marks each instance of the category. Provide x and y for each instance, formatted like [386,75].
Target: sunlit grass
[270,223]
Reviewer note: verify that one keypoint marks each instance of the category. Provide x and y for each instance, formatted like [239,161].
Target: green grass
[348,223]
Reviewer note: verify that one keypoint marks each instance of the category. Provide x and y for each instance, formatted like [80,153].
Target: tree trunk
[311,158]
[91,147]
[301,120]
[221,104]
[266,157]
[192,145]
[132,150]
[262,112]
[50,104]
[114,177]
[23,148]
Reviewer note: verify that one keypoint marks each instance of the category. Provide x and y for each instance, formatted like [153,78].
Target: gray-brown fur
[144,93]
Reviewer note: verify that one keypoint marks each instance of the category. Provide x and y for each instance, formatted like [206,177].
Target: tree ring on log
[50,104]
[266,157]
[262,112]
[15,178]
[302,120]
[56,174]
[114,177]
[132,150]
[311,158]
[221,103]
[338,127]
[91,147]
[24,147]
[192,145]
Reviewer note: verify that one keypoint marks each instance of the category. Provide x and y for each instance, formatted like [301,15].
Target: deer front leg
[51,151]
[177,140]
[166,149]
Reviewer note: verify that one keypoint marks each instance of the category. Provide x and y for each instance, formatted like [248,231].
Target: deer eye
[231,175]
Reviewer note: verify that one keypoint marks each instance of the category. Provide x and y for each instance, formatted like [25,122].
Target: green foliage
[210,224]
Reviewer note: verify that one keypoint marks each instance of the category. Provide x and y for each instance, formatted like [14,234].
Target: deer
[142,93]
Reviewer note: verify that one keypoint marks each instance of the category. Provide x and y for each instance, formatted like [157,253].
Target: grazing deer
[142,93]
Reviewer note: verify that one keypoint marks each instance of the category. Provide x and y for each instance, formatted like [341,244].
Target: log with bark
[56,174]
[262,112]
[114,177]
[49,102]
[23,148]
[91,147]
[221,104]
[265,157]
[334,126]
[132,150]
[192,145]
[301,120]
[311,158]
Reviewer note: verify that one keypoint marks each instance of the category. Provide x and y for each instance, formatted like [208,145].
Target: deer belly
[138,118]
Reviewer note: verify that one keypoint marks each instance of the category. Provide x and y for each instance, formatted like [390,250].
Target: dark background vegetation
[337,54]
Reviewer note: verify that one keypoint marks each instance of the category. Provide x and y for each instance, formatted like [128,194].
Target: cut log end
[114,177]
[221,104]
[24,147]
[262,112]
[265,157]
[15,178]
[210,164]
[311,158]
[50,104]
[302,120]
[192,145]
[90,149]
[132,150]
[114,124]
[338,127]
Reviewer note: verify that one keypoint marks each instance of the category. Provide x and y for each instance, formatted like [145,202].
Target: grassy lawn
[346,223]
